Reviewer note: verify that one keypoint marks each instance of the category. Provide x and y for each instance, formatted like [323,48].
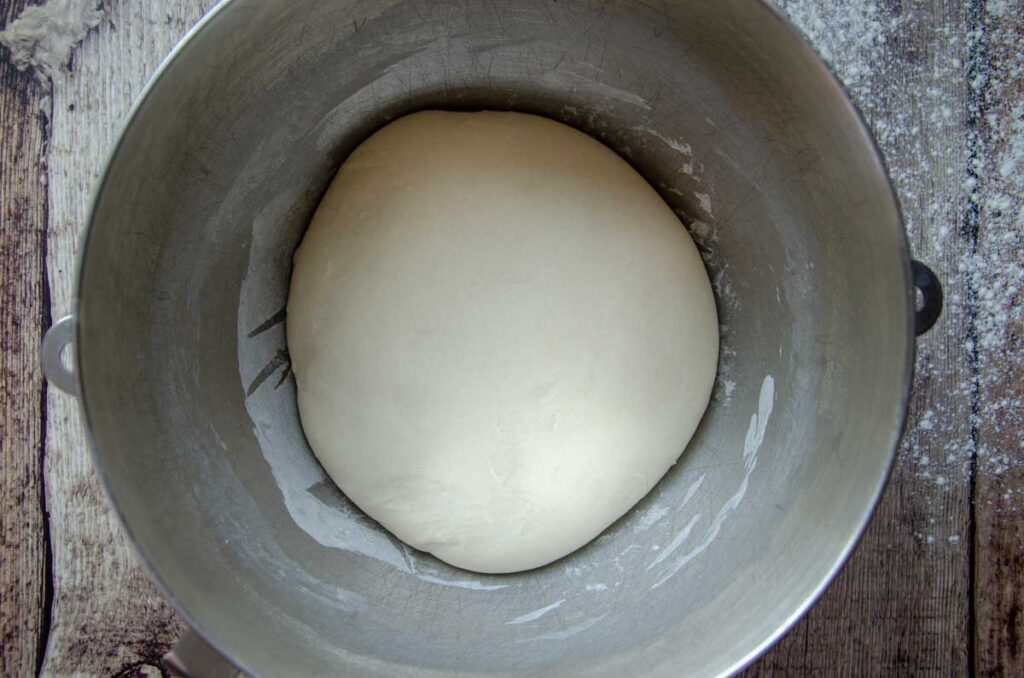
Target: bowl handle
[193,657]
[60,335]
[928,310]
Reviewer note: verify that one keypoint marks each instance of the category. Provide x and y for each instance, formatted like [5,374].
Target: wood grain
[107,616]
[24,560]
[999,492]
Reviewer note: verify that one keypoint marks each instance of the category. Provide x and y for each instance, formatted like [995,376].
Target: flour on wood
[988,279]
[44,35]
[984,281]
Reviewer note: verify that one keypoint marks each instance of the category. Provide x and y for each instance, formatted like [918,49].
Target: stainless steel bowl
[183,369]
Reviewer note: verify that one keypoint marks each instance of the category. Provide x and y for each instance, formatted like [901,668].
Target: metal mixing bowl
[183,369]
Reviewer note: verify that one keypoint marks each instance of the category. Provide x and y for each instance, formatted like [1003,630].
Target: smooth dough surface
[502,336]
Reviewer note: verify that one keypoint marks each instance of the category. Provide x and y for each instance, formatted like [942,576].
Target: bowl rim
[826,75]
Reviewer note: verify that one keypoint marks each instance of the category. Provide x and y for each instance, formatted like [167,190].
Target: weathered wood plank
[24,577]
[901,604]
[997,283]
[107,616]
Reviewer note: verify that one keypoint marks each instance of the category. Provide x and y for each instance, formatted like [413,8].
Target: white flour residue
[461,583]
[43,36]
[575,81]
[704,200]
[728,388]
[685,151]
[296,473]
[676,542]
[752,443]
[759,422]
[537,614]
[645,520]
[705,235]
[675,144]
[692,490]
[563,634]
[575,570]
[653,515]
[992,271]
[650,517]
[863,25]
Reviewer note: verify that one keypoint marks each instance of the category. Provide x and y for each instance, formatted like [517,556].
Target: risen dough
[502,336]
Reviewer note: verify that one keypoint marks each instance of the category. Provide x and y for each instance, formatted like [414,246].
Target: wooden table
[935,585]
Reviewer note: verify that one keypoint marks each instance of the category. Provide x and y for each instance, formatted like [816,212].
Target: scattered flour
[964,208]
[537,614]
[43,36]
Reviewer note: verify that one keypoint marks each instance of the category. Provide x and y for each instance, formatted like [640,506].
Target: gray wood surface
[935,585]
[24,562]
[997,97]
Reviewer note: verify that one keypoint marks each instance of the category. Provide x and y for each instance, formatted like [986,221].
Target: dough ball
[502,336]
